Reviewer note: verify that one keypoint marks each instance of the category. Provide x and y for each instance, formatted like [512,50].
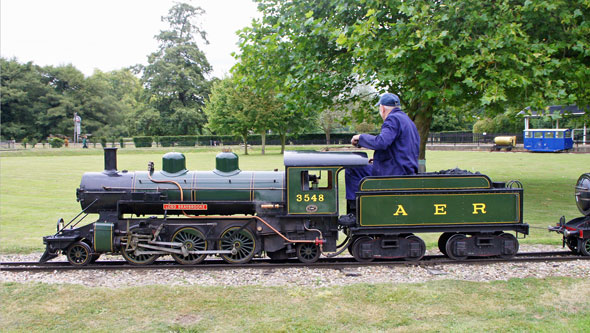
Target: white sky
[111,34]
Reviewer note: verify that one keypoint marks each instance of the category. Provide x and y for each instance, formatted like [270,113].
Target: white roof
[547,130]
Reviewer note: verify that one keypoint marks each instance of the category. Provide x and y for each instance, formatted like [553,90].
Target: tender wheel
[585,249]
[356,249]
[240,241]
[142,259]
[421,248]
[450,247]
[308,252]
[572,244]
[509,238]
[193,240]
[79,254]
[442,242]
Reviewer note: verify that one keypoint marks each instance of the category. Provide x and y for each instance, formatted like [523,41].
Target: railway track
[334,263]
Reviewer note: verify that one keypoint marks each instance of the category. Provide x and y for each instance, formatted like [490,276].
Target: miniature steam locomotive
[576,232]
[238,215]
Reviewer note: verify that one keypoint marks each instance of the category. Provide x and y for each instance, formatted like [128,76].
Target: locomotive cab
[312,180]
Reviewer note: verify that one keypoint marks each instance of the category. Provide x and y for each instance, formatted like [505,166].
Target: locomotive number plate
[185,206]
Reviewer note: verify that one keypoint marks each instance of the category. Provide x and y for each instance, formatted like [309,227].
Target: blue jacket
[396,147]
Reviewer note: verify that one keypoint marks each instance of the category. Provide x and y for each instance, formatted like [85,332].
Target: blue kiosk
[551,139]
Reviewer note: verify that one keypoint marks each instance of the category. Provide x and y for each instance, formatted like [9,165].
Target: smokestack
[110,160]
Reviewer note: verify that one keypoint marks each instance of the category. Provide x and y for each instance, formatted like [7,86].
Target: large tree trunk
[283,139]
[263,141]
[423,119]
[327,131]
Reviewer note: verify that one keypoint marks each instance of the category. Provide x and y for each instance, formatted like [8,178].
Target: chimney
[110,160]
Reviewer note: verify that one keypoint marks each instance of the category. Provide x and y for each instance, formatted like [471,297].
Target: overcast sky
[111,34]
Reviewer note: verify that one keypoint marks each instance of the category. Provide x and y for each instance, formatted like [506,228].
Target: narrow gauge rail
[333,263]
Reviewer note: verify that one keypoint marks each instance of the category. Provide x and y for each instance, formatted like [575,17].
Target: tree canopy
[436,55]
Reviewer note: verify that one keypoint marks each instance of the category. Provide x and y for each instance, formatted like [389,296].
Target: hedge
[254,139]
[142,141]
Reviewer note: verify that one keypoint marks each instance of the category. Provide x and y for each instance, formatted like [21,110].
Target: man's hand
[355,140]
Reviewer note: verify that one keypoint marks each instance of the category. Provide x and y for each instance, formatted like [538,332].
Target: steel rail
[325,263]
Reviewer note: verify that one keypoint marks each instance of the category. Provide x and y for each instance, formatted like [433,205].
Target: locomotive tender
[239,214]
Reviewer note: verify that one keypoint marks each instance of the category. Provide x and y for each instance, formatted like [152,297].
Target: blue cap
[388,99]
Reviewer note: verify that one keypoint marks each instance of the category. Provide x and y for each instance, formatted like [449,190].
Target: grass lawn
[540,305]
[38,185]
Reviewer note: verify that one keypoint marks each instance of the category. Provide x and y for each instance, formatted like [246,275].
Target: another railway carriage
[576,232]
[238,215]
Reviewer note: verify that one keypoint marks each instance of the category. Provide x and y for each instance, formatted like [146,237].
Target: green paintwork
[173,163]
[380,209]
[227,162]
[425,183]
[103,237]
[305,199]
[265,186]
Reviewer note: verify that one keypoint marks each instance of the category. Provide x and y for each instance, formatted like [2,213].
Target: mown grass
[38,185]
[540,305]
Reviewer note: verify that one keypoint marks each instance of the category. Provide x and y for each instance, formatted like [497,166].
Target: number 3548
[308,198]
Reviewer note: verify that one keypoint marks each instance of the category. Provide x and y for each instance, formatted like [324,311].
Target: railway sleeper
[461,246]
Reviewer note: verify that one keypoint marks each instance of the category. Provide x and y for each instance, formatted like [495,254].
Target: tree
[174,78]
[22,92]
[228,111]
[437,55]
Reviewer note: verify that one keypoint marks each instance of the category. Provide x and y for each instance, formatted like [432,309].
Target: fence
[468,138]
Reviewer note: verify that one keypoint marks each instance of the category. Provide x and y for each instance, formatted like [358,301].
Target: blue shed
[548,140]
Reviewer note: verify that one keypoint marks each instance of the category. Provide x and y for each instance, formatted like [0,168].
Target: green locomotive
[238,215]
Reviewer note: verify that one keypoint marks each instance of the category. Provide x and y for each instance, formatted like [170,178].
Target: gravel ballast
[317,277]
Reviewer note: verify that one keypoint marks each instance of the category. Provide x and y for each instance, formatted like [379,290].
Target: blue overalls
[396,151]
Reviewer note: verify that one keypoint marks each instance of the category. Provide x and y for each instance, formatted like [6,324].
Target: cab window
[548,135]
[528,134]
[316,180]
[559,135]
[538,135]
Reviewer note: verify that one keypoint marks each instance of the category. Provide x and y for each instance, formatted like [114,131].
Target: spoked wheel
[421,248]
[308,252]
[240,241]
[357,246]
[142,259]
[442,242]
[509,238]
[79,254]
[572,244]
[193,240]
[450,247]
[585,249]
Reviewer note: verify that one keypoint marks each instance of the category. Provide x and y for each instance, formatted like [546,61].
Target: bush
[33,142]
[24,142]
[167,141]
[56,142]
[186,140]
[122,142]
[103,141]
[142,141]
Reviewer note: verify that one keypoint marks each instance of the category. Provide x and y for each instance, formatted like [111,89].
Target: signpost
[77,126]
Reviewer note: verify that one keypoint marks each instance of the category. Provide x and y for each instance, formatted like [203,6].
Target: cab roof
[325,158]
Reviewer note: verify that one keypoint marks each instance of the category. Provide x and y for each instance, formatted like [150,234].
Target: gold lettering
[479,207]
[440,209]
[400,210]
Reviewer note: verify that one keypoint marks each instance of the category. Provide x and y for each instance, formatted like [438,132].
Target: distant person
[396,149]
[84,142]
